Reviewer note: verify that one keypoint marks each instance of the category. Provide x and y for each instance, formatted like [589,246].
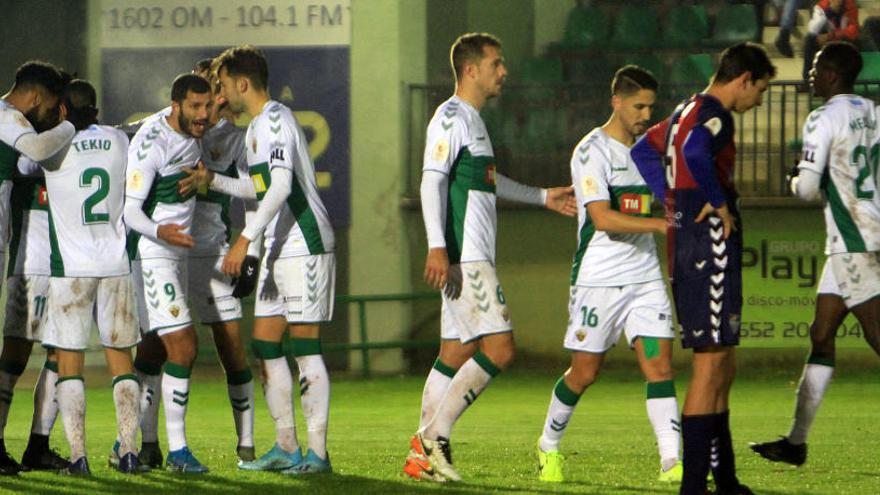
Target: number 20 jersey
[841,144]
[86,197]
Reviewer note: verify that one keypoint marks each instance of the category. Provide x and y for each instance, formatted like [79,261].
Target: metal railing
[534,128]
[365,346]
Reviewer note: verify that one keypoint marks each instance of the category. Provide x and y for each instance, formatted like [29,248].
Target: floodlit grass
[609,443]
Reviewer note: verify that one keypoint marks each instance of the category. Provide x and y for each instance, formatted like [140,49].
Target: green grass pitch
[609,445]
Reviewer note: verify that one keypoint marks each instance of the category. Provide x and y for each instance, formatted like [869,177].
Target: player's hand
[436,267]
[792,177]
[173,234]
[562,200]
[453,282]
[235,257]
[723,213]
[196,178]
[247,280]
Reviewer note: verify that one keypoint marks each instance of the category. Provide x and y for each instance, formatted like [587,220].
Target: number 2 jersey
[87,235]
[602,170]
[841,144]
[301,227]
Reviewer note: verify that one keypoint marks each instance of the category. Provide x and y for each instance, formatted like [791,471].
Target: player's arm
[441,149]
[806,184]
[27,167]
[851,31]
[237,187]
[697,152]
[559,199]
[607,219]
[37,146]
[647,154]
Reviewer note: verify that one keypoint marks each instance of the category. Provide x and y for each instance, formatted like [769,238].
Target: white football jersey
[156,156]
[223,151]
[458,146]
[841,143]
[13,125]
[302,227]
[29,221]
[602,170]
[87,195]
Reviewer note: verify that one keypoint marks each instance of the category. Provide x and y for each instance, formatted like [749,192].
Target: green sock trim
[127,376]
[443,368]
[71,377]
[51,366]
[305,347]
[487,364]
[147,367]
[660,390]
[565,395]
[239,377]
[12,368]
[263,349]
[177,370]
[811,359]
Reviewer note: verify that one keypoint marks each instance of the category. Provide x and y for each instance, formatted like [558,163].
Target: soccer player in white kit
[31,124]
[458,191]
[840,152]
[91,278]
[295,289]
[616,282]
[212,292]
[160,219]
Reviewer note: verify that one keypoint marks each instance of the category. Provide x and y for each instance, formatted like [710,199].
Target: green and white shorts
[161,297]
[210,290]
[479,308]
[598,315]
[26,301]
[300,288]
[857,275]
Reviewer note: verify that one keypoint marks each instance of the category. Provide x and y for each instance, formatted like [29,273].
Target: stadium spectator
[786,25]
[831,20]
[689,161]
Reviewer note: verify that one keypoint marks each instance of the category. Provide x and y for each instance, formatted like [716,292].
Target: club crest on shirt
[174,310]
[589,186]
[580,335]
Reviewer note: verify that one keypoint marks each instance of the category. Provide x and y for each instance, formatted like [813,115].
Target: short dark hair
[42,74]
[469,48]
[629,79]
[185,83]
[247,61]
[82,104]
[203,65]
[842,58]
[741,58]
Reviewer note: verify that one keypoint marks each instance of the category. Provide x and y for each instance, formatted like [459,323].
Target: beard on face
[42,123]
[186,124]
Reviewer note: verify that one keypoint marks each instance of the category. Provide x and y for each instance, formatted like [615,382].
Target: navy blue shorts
[707,283]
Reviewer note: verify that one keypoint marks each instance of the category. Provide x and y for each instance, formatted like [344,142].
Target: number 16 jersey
[86,197]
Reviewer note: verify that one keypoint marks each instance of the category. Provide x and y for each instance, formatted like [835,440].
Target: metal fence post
[365,351]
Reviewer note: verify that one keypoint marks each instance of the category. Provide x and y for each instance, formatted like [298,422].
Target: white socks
[562,403]
[314,392]
[126,397]
[72,402]
[811,390]
[435,388]
[278,388]
[470,380]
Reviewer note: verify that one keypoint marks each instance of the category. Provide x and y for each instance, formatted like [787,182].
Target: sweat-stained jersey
[841,144]
[156,155]
[301,227]
[87,197]
[458,145]
[602,170]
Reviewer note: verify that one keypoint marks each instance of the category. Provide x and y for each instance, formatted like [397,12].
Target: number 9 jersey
[87,194]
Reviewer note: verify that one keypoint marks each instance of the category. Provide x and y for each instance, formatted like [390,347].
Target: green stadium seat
[686,26]
[692,70]
[635,28]
[586,27]
[734,24]
[870,66]
[648,61]
[542,70]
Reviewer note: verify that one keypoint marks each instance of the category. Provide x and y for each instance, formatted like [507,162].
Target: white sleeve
[589,173]
[507,188]
[133,215]
[806,185]
[250,211]
[42,146]
[140,171]
[817,21]
[818,133]
[239,187]
[442,144]
[433,191]
[276,195]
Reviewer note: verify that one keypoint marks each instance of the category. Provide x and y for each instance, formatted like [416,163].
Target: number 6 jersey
[841,144]
[87,194]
